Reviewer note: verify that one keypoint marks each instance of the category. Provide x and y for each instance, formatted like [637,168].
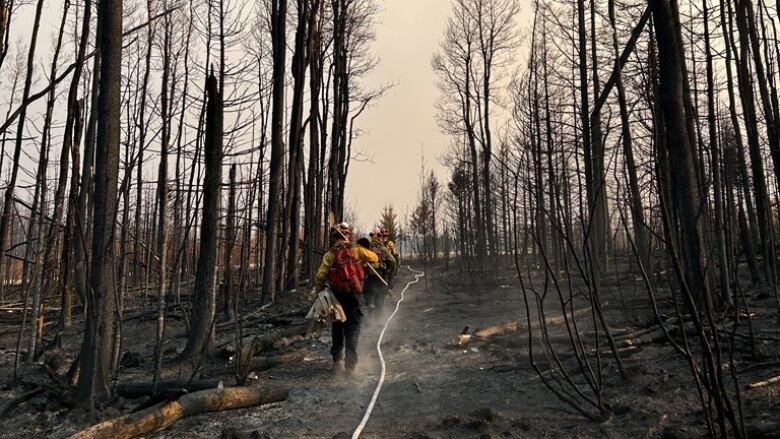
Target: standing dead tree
[278,20]
[94,384]
[199,340]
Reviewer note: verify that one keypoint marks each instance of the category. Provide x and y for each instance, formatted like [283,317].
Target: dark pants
[375,293]
[347,334]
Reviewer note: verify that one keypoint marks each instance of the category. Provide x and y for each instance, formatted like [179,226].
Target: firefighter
[391,246]
[376,291]
[342,270]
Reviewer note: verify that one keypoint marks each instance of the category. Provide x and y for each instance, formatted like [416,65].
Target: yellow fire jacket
[391,245]
[390,262]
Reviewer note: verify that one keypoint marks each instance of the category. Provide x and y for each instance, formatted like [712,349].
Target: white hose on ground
[383,368]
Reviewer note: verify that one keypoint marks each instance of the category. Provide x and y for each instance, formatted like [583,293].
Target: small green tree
[420,225]
[389,220]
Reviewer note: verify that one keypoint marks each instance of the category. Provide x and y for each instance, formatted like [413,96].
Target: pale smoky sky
[401,127]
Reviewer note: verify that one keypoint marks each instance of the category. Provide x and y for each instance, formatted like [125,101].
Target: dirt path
[432,389]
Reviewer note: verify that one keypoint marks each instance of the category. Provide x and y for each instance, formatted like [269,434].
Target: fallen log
[133,390]
[162,416]
[493,331]
[654,336]
[764,383]
[652,328]
[15,402]
[256,318]
[257,364]
[513,326]
[263,343]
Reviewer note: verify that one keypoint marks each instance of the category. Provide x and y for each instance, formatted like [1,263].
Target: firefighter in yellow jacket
[376,291]
[391,246]
[342,269]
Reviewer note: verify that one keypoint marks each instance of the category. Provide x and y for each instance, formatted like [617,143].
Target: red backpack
[346,275]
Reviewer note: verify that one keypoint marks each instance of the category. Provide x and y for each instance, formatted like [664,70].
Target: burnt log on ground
[163,415]
[263,343]
[257,364]
[259,319]
[514,326]
[764,383]
[11,404]
[133,390]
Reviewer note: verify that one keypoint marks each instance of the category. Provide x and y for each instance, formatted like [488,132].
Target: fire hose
[383,367]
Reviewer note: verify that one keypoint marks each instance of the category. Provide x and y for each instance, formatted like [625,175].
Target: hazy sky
[403,122]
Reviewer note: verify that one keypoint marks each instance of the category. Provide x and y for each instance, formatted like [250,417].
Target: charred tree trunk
[748,221]
[199,340]
[143,128]
[162,196]
[95,378]
[5,27]
[338,146]
[595,240]
[72,130]
[228,291]
[312,207]
[635,196]
[725,277]
[295,164]
[67,282]
[686,195]
[278,36]
[81,228]
[46,267]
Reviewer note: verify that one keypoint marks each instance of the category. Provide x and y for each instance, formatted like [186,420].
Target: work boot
[338,364]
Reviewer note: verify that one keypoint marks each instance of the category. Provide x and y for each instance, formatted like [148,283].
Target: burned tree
[199,338]
[96,365]
[272,227]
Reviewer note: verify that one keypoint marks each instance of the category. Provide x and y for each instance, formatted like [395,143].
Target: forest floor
[434,387]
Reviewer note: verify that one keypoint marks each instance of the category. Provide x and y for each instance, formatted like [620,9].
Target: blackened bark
[162,197]
[82,232]
[96,370]
[635,196]
[46,266]
[72,129]
[228,292]
[723,265]
[686,196]
[204,300]
[312,193]
[295,165]
[67,283]
[5,27]
[278,35]
[338,149]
